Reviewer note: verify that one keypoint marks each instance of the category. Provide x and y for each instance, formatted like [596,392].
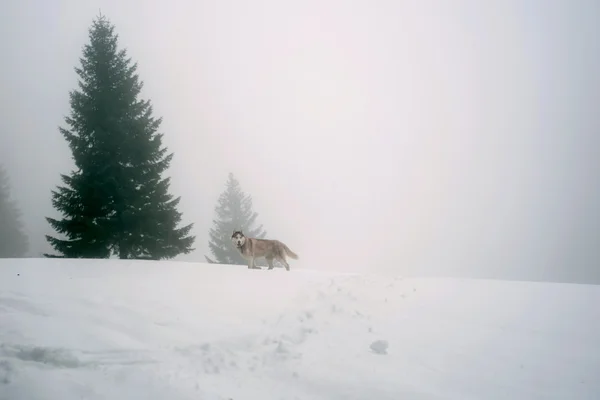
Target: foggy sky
[406,137]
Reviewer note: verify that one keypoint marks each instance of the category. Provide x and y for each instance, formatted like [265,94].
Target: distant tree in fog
[234,212]
[13,241]
[116,201]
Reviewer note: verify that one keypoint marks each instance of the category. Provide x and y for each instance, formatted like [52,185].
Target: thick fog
[416,138]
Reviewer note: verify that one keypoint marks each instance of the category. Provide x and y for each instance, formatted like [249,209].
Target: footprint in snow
[379,347]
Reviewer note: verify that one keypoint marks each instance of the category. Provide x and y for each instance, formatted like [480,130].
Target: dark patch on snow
[49,356]
[379,346]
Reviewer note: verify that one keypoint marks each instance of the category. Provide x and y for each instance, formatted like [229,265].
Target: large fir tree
[13,241]
[116,201]
[234,212]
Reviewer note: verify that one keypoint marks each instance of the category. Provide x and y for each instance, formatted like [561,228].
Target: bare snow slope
[166,330]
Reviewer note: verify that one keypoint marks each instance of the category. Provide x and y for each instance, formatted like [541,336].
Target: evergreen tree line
[117,201]
[13,240]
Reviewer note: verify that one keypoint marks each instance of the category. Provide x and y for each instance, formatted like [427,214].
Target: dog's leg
[250,262]
[270,262]
[281,258]
[284,262]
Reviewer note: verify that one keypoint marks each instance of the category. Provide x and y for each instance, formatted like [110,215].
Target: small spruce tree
[116,201]
[234,212]
[13,241]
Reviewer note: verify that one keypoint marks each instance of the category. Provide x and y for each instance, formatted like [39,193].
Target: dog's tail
[290,253]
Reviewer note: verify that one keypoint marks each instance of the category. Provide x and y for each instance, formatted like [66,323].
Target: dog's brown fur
[252,248]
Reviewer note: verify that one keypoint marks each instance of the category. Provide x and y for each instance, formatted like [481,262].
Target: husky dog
[252,248]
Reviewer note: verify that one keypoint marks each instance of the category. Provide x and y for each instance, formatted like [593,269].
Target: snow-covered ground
[167,330]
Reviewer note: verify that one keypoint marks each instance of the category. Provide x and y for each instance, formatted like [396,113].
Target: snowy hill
[146,330]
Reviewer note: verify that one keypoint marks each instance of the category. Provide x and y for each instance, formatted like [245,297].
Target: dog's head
[238,238]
